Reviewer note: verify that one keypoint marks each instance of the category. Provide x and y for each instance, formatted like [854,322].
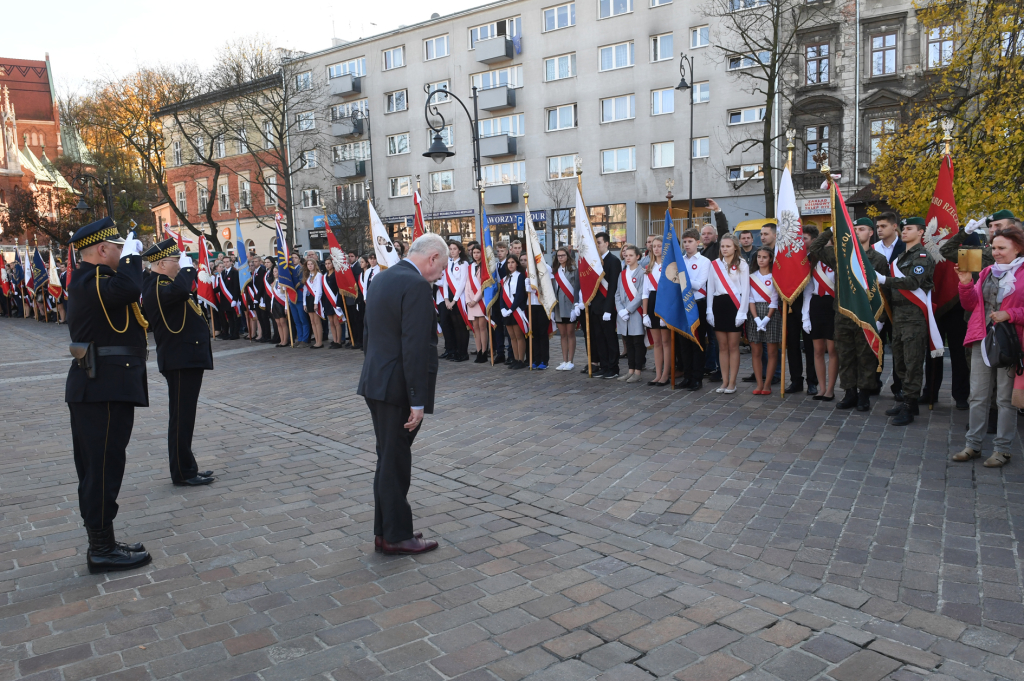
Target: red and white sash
[564,284]
[923,301]
[331,298]
[450,283]
[226,294]
[755,286]
[520,316]
[826,279]
[723,279]
[275,292]
[629,284]
[654,281]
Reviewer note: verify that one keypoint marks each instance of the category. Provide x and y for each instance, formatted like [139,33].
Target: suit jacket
[119,378]
[722,226]
[400,340]
[257,280]
[898,249]
[612,269]
[190,348]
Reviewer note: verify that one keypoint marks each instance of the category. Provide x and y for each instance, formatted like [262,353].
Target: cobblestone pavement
[588,529]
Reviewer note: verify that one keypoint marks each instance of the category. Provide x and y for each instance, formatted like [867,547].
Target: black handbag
[1002,347]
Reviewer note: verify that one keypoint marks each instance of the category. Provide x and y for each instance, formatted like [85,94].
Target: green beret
[864,221]
[913,221]
[1000,215]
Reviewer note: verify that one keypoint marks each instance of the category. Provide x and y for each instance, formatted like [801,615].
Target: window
[355,191]
[752,115]
[663,154]
[349,109]
[661,47]
[268,135]
[243,145]
[940,46]
[557,68]
[220,148]
[562,16]
[737,5]
[304,81]
[562,117]
[700,36]
[270,190]
[817,63]
[747,61]
[399,186]
[198,148]
[447,136]
[883,54]
[657,3]
[305,120]
[618,108]
[176,147]
[353,151]
[506,27]
[511,76]
[394,58]
[701,147]
[442,181]
[395,101]
[611,219]
[398,144]
[561,166]
[513,125]
[355,67]
[611,8]
[435,48]
[182,204]
[439,85]
[618,160]
[513,172]
[816,140]
[203,197]
[663,101]
[564,221]
[310,158]
[310,198]
[224,198]
[616,56]
[748,172]
[880,129]
[244,196]
[701,92]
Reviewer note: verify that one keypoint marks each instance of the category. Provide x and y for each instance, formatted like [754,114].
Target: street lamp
[107,187]
[686,64]
[439,151]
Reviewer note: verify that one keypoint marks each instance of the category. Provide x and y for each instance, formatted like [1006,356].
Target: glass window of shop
[563,221]
[455,229]
[401,231]
[610,218]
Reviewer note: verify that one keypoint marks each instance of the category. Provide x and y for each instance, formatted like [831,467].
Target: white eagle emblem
[933,236]
[204,275]
[339,260]
[789,236]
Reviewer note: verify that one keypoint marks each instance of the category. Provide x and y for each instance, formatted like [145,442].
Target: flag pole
[586,306]
[790,134]
[484,263]
[672,345]
[529,294]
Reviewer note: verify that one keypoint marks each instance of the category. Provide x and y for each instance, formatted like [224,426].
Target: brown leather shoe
[409,547]
[378,540]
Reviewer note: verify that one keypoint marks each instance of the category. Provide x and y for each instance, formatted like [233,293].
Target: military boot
[105,555]
[849,400]
[914,411]
[864,401]
[894,409]
[905,417]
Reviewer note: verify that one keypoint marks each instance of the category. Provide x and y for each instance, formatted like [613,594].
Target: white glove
[880,326]
[579,309]
[880,278]
[572,315]
[506,312]
[974,225]
[606,317]
[132,246]
[263,306]
[763,326]
[807,326]
[710,317]
[623,315]
[647,321]
[184,261]
[740,319]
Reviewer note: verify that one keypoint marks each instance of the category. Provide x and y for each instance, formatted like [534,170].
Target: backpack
[1002,347]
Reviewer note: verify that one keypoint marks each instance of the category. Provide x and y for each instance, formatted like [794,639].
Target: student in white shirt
[729,291]
[697,268]
[819,320]
[451,290]
[661,334]
[764,323]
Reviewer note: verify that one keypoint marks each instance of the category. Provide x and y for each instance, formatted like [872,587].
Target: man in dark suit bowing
[398,379]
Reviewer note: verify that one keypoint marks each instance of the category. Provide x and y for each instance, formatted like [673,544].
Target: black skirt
[656,322]
[724,311]
[277,310]
[823,318]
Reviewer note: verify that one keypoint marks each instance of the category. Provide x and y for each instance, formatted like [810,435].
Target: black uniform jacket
[189,348]
[119,378]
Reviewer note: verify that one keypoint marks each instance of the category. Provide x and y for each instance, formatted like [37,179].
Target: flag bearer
[106,383]
[183,352]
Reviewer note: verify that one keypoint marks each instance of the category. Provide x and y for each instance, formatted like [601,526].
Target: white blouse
[739,280]
[648,286]
[765,282]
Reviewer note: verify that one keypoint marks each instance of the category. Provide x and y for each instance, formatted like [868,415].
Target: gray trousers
[982,380]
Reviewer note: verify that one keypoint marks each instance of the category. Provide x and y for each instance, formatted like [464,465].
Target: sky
[111,37]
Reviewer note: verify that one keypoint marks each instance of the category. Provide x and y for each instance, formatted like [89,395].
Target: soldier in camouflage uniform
[909,325]
[858,365]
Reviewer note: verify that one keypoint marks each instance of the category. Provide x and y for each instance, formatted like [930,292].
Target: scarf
[1006,283]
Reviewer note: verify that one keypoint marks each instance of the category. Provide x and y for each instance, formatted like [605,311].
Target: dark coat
[612,269]
[120,378]
[519,297]
[400,340]
[722,226]
[190,348]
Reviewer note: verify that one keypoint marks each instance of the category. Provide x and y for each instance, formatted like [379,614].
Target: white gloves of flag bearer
[974,225]
[132,246]
[606,317]
[184,261]
[647,321]
[573,314]
[623,315]
[740,319]
[506,312]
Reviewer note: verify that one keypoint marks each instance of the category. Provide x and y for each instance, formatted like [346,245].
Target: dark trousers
[498,333]
[461,332]
[636,351]
[886,336]
[392,515]
[263,319]
[231,316]
[444,318]
[953,328]
[100,432]
[794,356]
[355,318]
[183,387]
[539,340]
[693,355]
[604,341]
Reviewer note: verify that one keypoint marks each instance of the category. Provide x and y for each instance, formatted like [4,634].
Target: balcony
[496,98]
[494,50]
[343,127]
[346,85]
[346,169]
[811,180]
[499,145]
[501,194]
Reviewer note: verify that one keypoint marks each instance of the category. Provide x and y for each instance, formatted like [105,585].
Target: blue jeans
[301,321]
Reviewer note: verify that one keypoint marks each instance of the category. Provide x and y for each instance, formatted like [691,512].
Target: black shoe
[107,555]
[749,379]
[812,388]
[205,474]
[596,369]
[849,400]
[912,403]
[481,358]
[444,355]
[194,482]
[611,374]
[715,377]
[962,405]
[510,359]
[694,386]
[864,400]
[894,409]
[499,359]
[520,365]
[904,417]
[334,346]
[795,387]
[898,395]
[464,357]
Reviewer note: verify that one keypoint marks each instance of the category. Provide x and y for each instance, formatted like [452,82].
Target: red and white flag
[791,268]
[417,222]
[942,222]
[342,272]
[204,285]
[591,268]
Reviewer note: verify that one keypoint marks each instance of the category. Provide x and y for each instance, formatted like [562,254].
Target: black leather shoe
[749,379]
[912,404]
[812,389]
[695,386]
[107,555]
[904,417]
[716,377]
[962,405]
[205,474]
[461,358]
[795,388]
[894,409]
[194,482]
[863,401]
[409,547]
[849,400]
[444,355]
[378,541]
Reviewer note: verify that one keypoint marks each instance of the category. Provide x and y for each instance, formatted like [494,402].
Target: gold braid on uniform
[135,309]
[160,307]
[138,316]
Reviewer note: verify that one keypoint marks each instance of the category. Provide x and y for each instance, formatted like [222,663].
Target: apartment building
[590,78]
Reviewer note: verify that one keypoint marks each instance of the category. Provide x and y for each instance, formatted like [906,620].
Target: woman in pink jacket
[998,296]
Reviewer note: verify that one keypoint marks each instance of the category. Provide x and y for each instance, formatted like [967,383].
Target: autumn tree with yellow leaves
[979,86]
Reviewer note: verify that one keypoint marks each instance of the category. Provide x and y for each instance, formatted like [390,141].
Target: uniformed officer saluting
[182,351]
[108,334]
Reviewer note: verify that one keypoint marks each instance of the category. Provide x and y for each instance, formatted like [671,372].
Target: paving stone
[609,655]
[946,627]
[572,644]
[570,670]
[858,637]
[658,633]
[717,667]
[708,640]
[785,633]
[794,666]
[865,666]
[625,672]
[754,650]
[747,620]
[522,664]
[908,654]
[666,659]
[831,648]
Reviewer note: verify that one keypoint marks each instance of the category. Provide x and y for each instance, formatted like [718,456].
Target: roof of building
[29,83]
[223,94]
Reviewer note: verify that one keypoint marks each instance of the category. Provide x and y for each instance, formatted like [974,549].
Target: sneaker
[610,374]
[623,377]
[560,367]
[569,366]
[542,366]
